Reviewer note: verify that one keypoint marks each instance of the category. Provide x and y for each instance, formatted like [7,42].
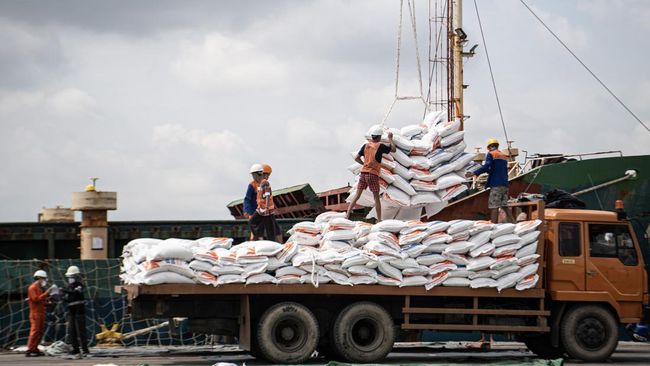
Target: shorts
[367,180]
[498,197]
[262,226]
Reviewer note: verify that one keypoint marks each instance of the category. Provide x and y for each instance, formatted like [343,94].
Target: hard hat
[266,168]
[492,142]
[90,188]
[376,130]
[40,273]
[72,271]
[256,168]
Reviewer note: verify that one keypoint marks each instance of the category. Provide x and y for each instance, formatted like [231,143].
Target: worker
[250,200]
[496,165]
[267,170]
[37,298]
[258,205]
[371,152]
[76,316]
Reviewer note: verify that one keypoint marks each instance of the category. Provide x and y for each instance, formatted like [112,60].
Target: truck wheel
[287,333]
[589,333]
[542,347]
[363,332]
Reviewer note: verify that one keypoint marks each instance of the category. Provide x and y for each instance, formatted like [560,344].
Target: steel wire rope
[494,85]
[433,70]
[411,5]
[585,66]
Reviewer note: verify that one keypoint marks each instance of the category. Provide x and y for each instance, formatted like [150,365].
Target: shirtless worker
[371,152]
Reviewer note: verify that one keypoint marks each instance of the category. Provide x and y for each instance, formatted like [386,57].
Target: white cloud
[217,61]
[71,101]
[66,102]
[567,31]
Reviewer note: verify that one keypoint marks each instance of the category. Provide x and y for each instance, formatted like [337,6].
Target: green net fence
[103,305]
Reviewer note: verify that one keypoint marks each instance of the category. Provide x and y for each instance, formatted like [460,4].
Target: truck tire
[542,347]
[363,332]
[589,333]
[287,333]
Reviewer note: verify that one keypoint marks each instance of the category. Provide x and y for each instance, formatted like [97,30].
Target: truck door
[567,265]
[613,262]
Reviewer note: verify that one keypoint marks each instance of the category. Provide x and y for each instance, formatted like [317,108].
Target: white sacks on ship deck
[332,249]
[426,170]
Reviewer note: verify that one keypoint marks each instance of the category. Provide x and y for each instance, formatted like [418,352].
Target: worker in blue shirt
[496,165]
[250,200]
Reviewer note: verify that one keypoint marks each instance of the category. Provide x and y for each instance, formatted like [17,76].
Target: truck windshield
[612,241]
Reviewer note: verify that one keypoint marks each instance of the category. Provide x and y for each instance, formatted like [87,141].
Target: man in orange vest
[260,222]
[37,298]
[371,152]
[267,170]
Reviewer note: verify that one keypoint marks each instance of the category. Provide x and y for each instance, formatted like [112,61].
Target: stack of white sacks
[332,249]
[426,170]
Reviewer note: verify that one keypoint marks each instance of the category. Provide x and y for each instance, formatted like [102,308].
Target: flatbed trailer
[576,307]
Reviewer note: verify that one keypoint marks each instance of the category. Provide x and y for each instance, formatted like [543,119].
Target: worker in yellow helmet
[266,173]
[496,165]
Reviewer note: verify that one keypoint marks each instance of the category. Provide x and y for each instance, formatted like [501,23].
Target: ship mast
[456,41]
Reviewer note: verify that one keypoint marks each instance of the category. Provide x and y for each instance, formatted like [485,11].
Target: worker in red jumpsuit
[36,298]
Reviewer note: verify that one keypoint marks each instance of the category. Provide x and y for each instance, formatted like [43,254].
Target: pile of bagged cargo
[332,249]
[426,170]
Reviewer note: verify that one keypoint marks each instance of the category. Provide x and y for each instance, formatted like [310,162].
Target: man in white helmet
[76,316]
[371,152]
[250,200]
[36,298]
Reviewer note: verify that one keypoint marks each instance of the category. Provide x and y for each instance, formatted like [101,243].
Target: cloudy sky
[170,102]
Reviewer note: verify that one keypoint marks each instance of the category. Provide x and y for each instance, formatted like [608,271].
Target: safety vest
[370,164]
[264,191]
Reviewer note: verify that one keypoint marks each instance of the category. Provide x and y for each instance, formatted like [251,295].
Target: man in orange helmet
[267,170]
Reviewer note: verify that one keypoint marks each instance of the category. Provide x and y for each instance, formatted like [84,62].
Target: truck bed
[134,291]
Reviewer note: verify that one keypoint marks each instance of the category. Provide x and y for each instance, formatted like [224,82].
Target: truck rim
[366,334]
[591,333]
[289,334]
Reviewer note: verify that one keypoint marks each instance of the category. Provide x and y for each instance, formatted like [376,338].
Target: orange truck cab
[595,281]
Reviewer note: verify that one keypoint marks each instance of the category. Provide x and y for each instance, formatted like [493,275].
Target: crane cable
[583,65]
[411,7]
[494,85]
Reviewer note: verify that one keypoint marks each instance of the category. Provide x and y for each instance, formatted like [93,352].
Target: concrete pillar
[94,208]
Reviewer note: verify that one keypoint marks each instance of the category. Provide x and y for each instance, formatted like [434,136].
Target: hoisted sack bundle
[438,157]
[451,192]
[397,197]
[452,139]
[449,180]
[448,128]
[424,186]
[411,130]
